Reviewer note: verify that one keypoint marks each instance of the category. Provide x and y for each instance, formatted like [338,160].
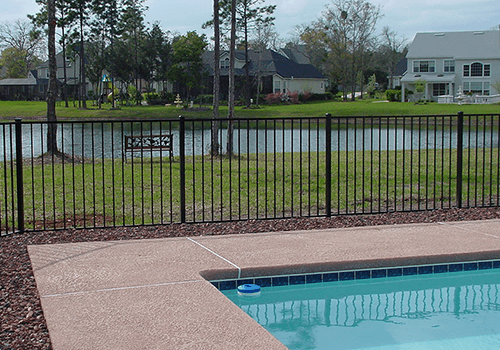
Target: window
[486,71]
[477,87]
[284,87]
[477,69]
[466,70]
[449,66]
[486,88]
[277,87]
[438,89]
[424,66]
[224,63]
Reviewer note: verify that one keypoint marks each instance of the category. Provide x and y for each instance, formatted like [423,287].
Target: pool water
[459,310]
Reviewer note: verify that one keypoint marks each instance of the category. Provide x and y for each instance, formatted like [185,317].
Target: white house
[447,63]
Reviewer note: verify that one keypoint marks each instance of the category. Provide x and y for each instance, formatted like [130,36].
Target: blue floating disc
[249,289]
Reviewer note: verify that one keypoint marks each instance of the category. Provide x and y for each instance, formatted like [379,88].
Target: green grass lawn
[370,107]
[147,191]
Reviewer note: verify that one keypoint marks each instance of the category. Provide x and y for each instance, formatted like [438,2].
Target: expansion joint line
[217,255]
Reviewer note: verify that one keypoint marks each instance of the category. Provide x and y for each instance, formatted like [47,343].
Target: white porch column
[403,87]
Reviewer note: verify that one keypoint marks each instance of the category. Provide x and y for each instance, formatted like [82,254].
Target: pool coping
[157,294]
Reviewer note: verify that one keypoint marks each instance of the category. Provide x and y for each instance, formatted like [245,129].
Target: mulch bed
[23,324]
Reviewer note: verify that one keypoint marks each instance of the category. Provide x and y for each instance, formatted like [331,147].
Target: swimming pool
[459,310]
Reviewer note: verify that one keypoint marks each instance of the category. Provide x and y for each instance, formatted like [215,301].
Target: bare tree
[342,37]
[392,49]
[23,36]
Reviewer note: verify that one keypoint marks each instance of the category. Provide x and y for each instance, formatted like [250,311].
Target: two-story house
[449,62]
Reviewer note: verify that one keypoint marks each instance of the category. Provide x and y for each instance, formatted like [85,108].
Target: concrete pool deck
[154,293]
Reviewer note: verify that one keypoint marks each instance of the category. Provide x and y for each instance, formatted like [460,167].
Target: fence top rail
[239,119]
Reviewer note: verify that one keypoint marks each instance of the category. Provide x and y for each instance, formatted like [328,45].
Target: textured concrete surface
[152,294]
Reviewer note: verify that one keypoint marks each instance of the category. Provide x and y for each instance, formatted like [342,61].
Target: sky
[405,17]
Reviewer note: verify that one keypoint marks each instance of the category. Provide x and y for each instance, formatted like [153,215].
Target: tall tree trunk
[82,63]
[216,91]
[247,73]
[52,92]
[230,114]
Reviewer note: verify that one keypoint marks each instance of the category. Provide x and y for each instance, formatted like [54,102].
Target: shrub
[393,95]
[204,99]
[273,98]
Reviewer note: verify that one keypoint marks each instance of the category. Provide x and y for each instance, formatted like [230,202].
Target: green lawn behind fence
[111,192]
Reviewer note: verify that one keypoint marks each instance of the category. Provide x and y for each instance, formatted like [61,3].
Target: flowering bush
[279,97]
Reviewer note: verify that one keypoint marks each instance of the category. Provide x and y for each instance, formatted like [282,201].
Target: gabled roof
[401,67]
[268,62]
[297,53]
[19,81]
[457,45]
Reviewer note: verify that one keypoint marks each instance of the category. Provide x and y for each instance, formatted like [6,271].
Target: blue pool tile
[424,270]
[362,275]
[440,268]
[227,285]
[409,271]
[264,282]
[395,272]
[379,273]
[346,276]
[316,278]
[297,279]
[496,264]
[245,281]
[280,281]
[330,277]
[455,267]
[485,265]
[470,266]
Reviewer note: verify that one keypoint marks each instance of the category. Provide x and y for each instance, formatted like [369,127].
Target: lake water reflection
[105,140]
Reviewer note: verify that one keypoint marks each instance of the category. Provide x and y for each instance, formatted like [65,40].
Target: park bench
[149,143]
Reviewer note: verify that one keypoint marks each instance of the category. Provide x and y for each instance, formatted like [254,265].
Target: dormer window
[224,63]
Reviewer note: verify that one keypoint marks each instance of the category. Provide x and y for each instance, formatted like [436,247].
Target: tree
[343,36]
[40,20]
[132,33]
[14,62]
[392,49]
[52,92]
[79,15]
[250,16]
[232,47]
[216,88]
[187,65]
[26,41]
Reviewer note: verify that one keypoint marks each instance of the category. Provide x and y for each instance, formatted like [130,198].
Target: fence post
[19,175]
[182,150]
[328,136]
[460,154]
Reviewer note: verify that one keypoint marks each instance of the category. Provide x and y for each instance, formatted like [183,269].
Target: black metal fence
[272,168]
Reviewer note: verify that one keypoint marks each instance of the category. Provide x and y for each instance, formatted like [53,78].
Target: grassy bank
[370,107]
